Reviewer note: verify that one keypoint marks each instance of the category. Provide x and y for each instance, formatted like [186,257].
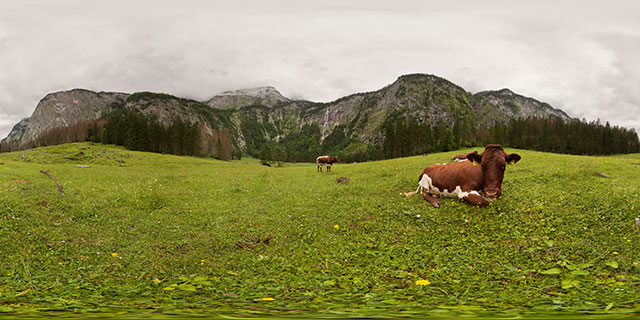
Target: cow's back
[326,160]
[448,176]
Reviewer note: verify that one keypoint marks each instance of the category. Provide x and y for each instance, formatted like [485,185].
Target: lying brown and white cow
[326,161]
[458,157]
[472,181]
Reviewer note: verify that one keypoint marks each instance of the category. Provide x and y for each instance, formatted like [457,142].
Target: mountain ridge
[268,96]
[261,114]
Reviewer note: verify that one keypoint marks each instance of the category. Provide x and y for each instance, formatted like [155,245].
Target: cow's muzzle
[492,193]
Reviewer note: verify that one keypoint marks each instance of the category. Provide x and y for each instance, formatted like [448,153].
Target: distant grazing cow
[326,161]
[459,157]
[466,180]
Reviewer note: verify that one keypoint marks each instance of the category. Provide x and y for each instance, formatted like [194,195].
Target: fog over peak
[579,56]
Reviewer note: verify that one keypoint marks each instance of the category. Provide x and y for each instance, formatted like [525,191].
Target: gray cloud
[576,55]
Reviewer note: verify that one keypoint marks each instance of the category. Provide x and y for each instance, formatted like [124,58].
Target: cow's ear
[474,157]
[512,158]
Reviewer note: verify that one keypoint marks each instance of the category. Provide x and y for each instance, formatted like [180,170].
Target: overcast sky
[579,56]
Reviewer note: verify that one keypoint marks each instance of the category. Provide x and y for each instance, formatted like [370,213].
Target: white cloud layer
[580,56]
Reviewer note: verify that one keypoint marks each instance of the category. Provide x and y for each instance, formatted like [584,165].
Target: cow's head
[334,159]
[493,161]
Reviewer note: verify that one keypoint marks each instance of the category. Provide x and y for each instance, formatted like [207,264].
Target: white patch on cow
[457,192]
[460,160]
[426,184]
[461,194]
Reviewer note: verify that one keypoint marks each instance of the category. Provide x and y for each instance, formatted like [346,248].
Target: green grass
[164,234]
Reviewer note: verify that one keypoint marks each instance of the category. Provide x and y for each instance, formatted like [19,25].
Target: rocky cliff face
[263,112]
[164,107]
[17,132]
[495,106]
[426,98]
[64,108]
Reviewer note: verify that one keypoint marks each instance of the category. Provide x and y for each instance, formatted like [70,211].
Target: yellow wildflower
[615,252]
[336,227]
[115,254]
[423,282]
[268,299]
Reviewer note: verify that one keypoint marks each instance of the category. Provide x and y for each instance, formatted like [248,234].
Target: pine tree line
[570,137]
[136,131]
[405,137]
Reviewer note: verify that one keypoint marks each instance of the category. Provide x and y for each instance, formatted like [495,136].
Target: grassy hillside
[142,232]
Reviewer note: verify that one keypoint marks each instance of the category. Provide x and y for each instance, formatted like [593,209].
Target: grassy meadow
[141,233]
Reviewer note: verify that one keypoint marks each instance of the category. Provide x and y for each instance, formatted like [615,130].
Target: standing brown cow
[326,161]
[466,180]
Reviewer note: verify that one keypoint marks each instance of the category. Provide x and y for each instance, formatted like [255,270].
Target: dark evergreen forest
[137,131]
[408,137]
